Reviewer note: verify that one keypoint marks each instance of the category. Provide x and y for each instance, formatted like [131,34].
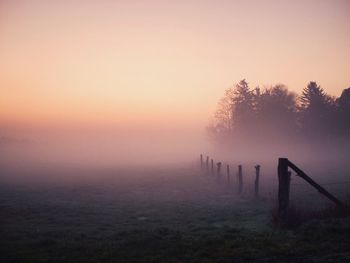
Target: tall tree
[222,124]
[276,111]
[343,113]
[316,109]
[243,107]
[234,113]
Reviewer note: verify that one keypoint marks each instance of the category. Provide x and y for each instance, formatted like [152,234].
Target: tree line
[275,114]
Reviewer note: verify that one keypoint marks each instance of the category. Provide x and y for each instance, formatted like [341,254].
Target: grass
[296,216]
[164,216]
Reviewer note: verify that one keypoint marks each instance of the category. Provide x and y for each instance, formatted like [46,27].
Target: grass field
[151,215]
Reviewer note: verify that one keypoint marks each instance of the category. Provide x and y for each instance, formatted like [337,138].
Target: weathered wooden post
[228,174]
[202,161]
[240,179]
[207,163]
[283,187]
[218,168]
[257,179]
[212,166]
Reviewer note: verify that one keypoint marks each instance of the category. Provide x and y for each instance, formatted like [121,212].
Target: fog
[150,131]
[77,188]
[151,148]
[102,148]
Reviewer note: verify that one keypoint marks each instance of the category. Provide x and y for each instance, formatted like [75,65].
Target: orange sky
[151,63]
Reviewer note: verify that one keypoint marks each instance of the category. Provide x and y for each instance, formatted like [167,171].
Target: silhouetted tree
[276,111]
[222,125]
[316,110]
[235,111]
[258,118]
[243,112]
[343,113]
[247,113]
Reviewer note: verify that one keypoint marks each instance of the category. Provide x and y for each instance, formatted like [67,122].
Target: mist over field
[104,148]
[174,131]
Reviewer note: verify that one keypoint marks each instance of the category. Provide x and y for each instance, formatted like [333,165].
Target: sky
[158,65]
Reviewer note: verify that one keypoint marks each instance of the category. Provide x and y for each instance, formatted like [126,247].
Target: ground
[153,215]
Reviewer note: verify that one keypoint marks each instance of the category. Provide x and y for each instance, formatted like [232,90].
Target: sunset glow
[143,64]
[174,131]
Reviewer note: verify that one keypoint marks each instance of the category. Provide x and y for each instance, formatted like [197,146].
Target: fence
[284,186]
[284,181]
[215,168]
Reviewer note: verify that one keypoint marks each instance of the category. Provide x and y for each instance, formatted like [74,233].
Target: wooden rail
[284,185]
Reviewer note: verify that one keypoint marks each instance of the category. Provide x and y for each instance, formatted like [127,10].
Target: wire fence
[265,185]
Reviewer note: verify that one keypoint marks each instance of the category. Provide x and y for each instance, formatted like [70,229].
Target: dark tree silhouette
[316,112]
[276,105]
[275,115]
[343,114]
[235,112]
[243,114]
[221,126]
[247,116]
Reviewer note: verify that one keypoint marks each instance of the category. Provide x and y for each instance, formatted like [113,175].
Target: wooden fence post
[283,186]
[218,168]
[240,179]
[228,174]
[212,166]
[207,163]
[257,179]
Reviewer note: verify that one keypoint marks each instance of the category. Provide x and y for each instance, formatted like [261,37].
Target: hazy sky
[159,63]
